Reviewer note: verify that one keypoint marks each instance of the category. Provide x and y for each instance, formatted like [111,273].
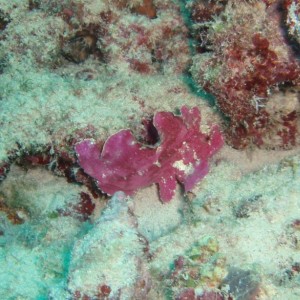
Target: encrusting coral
[126,165]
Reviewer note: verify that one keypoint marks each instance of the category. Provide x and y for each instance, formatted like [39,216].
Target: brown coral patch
[146,9]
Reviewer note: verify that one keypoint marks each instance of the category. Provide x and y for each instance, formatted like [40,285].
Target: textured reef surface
[150,149]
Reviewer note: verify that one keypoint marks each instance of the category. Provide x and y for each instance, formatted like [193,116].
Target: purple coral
[127,165]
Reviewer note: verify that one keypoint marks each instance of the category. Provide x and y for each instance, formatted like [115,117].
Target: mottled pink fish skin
[127,165]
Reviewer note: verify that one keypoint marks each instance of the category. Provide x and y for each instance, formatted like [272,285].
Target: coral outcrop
[247,62]
[98,258]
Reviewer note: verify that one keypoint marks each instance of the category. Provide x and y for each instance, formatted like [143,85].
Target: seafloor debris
[126,165]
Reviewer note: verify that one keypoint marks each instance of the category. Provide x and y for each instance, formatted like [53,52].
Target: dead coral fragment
[126,165]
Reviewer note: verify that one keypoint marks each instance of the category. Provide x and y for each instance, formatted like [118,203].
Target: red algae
[248,62]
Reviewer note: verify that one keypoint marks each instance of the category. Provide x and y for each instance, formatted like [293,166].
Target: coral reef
[74,74]
[126,165]
[247,63]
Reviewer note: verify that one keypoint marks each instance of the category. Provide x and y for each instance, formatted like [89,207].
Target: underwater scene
[150,149]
